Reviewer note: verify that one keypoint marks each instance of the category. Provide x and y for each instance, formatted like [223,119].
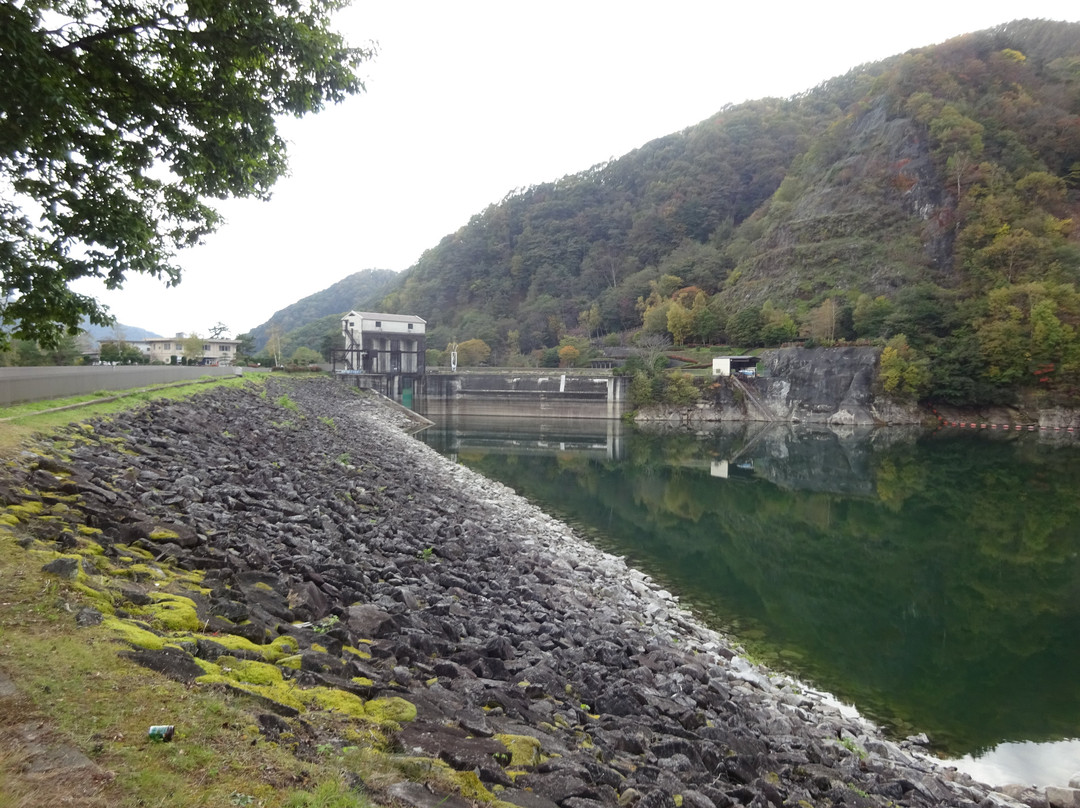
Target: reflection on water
[932,580]
[598,438]
[1045,763]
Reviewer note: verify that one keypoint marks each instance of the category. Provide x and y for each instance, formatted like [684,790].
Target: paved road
[34,384]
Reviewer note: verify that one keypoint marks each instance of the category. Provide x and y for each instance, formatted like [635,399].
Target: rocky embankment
[298,536]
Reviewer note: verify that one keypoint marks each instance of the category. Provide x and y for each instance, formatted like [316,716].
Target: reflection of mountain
[794,457]
[934,582]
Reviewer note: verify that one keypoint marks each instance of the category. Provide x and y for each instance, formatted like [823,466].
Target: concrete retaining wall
[35,384]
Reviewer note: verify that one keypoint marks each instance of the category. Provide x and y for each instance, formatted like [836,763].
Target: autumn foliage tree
[473,352]
[904,374]
[568,356]
[122,122]
[680,322]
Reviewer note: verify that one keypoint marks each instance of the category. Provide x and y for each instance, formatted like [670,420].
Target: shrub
[680,390]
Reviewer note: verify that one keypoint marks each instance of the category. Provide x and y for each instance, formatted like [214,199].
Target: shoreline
[495,622]
[997,763]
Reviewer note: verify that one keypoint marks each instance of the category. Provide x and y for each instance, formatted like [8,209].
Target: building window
[378,323]
[224,348]
[410,326]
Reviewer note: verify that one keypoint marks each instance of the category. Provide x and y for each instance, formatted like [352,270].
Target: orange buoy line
[1017,427]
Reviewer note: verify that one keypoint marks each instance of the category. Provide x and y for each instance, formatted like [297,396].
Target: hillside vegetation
[313,320]
[925,202]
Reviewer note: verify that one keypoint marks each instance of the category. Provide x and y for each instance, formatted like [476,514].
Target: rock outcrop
[834,386]
[378,579]
[821,385]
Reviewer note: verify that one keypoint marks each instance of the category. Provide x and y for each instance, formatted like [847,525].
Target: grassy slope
[74,715]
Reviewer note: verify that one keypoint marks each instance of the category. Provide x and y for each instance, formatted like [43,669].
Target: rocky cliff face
[835,386]
[826,386]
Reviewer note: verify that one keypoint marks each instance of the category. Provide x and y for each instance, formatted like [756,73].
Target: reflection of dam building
[389,349]
[599,439]
[725,469]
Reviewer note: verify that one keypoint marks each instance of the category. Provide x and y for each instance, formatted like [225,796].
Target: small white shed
[727,365]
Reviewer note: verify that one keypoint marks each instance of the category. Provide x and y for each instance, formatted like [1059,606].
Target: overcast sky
[467,101]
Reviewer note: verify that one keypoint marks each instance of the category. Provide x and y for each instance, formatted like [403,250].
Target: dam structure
[527,393]
[386,352]
[504,392]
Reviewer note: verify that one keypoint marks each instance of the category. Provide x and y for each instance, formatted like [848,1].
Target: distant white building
[727,365]
[385,352]
[170,350]
[384,343]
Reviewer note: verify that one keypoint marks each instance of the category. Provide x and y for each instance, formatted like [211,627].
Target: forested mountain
[926,202]
[309,321]
[127,332]
[534,261]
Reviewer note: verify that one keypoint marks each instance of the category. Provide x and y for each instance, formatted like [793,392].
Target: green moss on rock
[205,664]
[391,708]
[25,511]
[173,612]
[142,572]
[524,749]
[250,671]
[338,701]
[93,549]
[282,693]
[133,634]
[101,599]
[137,552]
[282,646]
[468,783]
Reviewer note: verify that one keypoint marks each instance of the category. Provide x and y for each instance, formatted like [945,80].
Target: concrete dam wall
[524,394]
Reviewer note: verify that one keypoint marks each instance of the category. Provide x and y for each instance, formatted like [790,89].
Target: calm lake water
[931,580]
